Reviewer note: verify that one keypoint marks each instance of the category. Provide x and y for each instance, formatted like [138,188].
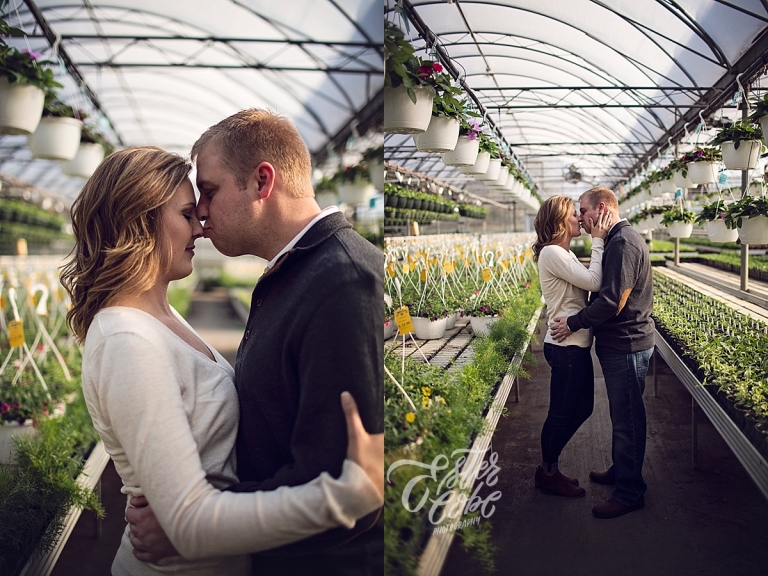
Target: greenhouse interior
[562,204]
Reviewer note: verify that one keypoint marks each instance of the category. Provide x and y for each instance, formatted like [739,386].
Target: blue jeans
[571,397]
[625,382]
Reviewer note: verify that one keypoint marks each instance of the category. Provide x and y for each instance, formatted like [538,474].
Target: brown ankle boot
[540,473]
[558,485]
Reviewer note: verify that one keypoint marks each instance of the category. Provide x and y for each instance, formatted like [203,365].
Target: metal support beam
[243,66]
[223,39]
[556,105]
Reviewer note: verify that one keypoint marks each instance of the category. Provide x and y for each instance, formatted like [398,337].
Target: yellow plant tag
[405,267]
[487,274]
[448,267]
[413,265]
[2,302]
[522,260]
[403,320]
[16,333]
[466,261]
[391,271]
[423,275]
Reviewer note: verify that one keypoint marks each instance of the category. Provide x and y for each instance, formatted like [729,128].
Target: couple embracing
[619,317]
[275,456]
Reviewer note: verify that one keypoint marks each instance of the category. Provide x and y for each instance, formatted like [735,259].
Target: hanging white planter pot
[376,172]
[357,192]
[764,125]
[440,136]
[450,322]
[680,230]
[743,158]
[21,107]
[325,199]
[86,160]
[464,154]
[501,181]
[754,230]
[56,138]
[683,181]
[494,167]
[517,189]
[656,190]
[401,115]
[510,183]
[654,222]
[718,232]
[703,172]
[755,189]
[427,329]
[480,165]
[668,186]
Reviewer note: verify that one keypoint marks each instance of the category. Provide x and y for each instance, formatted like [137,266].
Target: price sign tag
[448,267]
[2,302]
[522,259]
[391,271]
[16,333]
[487,274]
[406,268]
[723,178]
[423,275]
[413,266]
[403,320]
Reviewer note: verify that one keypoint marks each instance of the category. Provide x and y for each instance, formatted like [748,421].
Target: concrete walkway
[708,521]
[86,555]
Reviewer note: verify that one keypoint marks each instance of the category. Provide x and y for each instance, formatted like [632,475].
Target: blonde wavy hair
[117,225]
[551,223]
[250,137]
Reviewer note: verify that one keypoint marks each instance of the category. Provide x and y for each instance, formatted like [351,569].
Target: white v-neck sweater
[565,283]
[168,417]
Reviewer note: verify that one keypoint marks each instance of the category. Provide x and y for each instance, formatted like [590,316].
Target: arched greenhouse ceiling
[163,71]
[605,86]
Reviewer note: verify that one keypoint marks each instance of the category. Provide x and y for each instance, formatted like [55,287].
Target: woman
[164,401]
[564,285]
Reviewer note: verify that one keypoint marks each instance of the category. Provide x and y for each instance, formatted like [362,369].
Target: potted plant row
[741,145]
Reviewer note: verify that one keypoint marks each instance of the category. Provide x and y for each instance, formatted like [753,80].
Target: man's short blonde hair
[600,194]
[250,137]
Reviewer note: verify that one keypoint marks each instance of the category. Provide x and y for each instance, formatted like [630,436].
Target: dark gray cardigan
[314,330]
[620,313]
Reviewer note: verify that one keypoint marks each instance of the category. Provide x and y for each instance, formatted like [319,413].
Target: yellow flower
[410,417]
[425,402]
[426,391]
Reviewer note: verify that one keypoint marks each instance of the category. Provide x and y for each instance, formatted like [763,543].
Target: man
[314,330]
[620,316]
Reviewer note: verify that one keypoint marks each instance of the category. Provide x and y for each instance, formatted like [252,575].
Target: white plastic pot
[743,158]
[389,329]
[450,322]
[480,166]
[703,172]
[376,172]
[357,192]
[86,160]
[764,126]
[440,136]
[680,230]
[668,186]
[718,232]
[21,107]
[10,429]
[683,181]
[494,167]
[754,230]
[426,329]
[481,325]
[401,115]
[501,181]
[464,154]
[56,138]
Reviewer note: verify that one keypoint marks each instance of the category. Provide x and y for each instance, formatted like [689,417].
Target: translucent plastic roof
[597,85]
[165,70]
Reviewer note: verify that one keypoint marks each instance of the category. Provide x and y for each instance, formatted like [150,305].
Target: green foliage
[663,246]
[449,413]
[738,132]
[759,108]
[746,207]
[709,212]
[24,66]
[678,214]
[356,173]
[92,136]
[705,155]
[401,66]
[488,144]
[35,495]
[472,211]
